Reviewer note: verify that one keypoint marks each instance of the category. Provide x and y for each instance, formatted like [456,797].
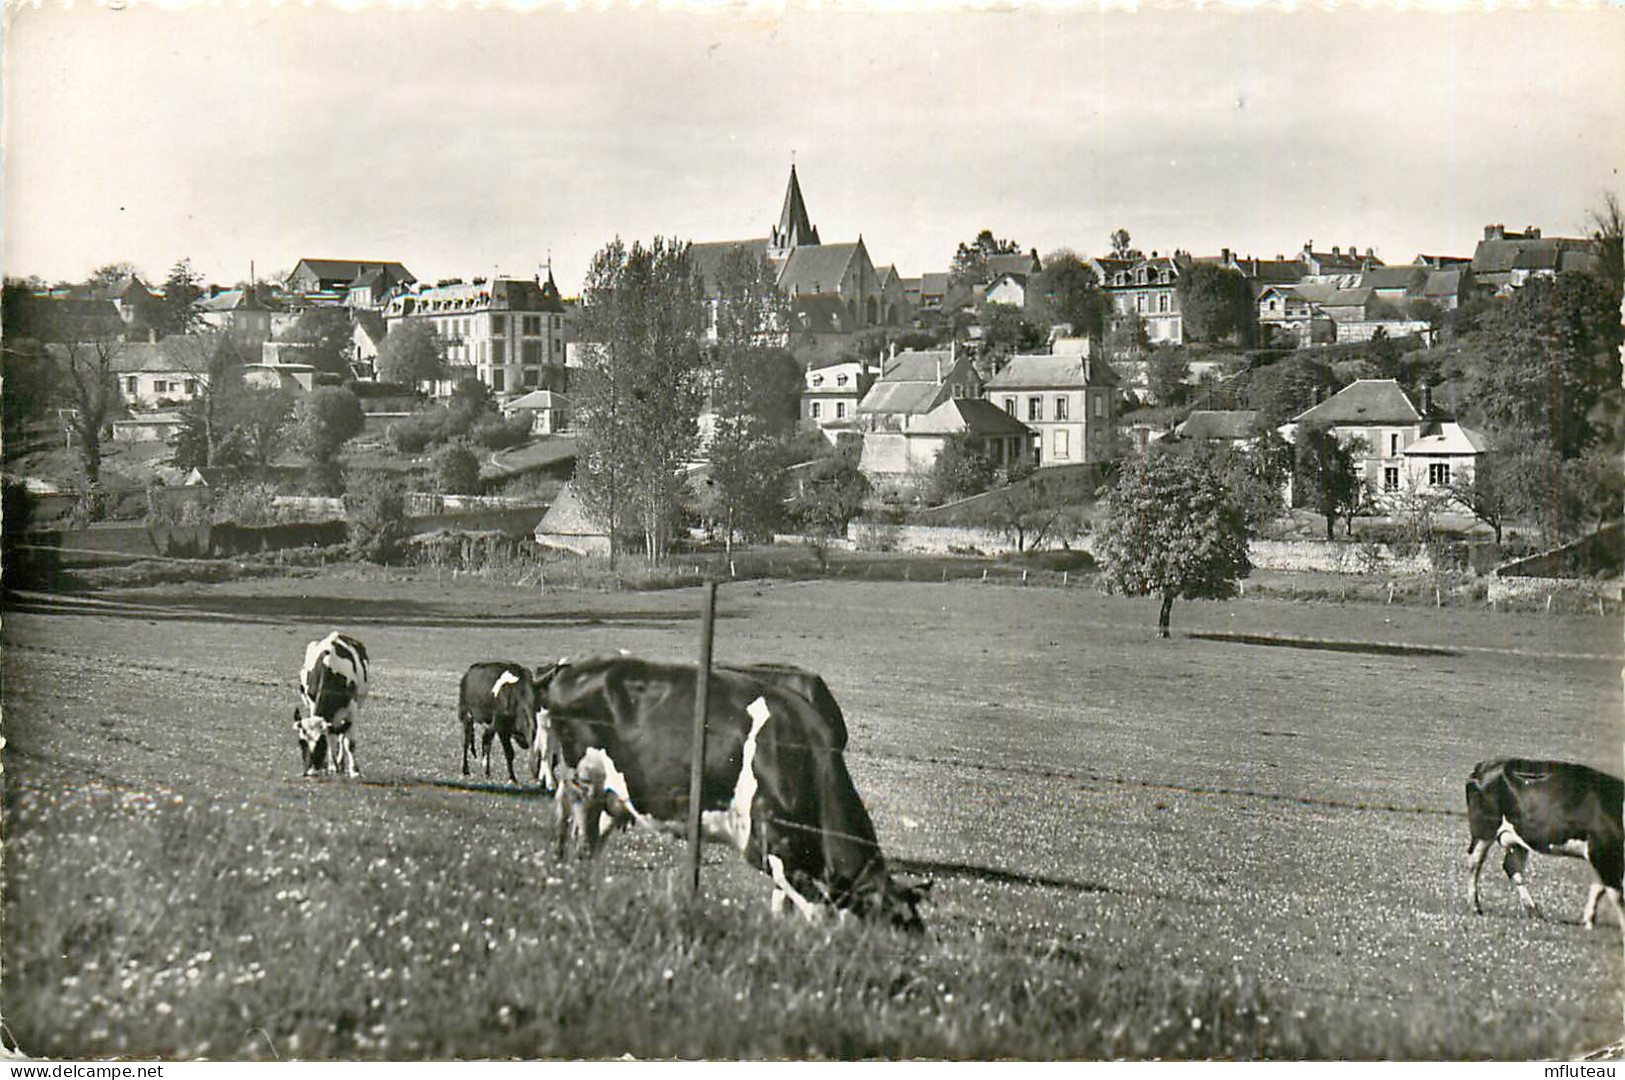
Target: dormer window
[840,380]
[818,380]
[1163,277]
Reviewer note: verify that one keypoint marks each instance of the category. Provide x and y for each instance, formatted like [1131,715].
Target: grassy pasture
[1189,848]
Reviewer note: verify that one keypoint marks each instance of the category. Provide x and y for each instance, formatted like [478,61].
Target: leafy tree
[970,260]
[328,417]
[110,274]
[215,361]
[961,469]
[1325,476]
[1608,230]
[640,389]
[328,331]
[1382,355]
[411,352]
[92,391]
[1255,476]
[832,496]
[457,468]
[1545,358]
[1122,245]
[1215,302]
[1070,293]
[1491,492]
[755,389]
[1126,338]
[375,515]
[1036,508]
[1171,530]
[1005,330]
[259,420]
[1166,373]
[175,313]
[28,384]
[1599,485]
[1287,389]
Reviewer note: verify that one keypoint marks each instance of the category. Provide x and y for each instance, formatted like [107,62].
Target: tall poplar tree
[638,398]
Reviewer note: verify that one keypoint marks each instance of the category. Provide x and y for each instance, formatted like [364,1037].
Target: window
[817,409]
[1393,445]
[840,380]
[1390,478]
[1139,301]
[1272,305]
[1010,405]
[959,390]
[1162,302]
[1439,473]
[533,324]
[191,386]
[840,410]
[558,322]
[131,385]
[497,325]
[498,383]
[1060,408]
[1100,406]
[532,376]
[818,380]
[532,352]
[1035,408]
[1062,444]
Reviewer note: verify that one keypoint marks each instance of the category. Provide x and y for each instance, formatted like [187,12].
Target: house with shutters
[1067,401]
[892,415]
[1403,449]
[509,331]
[1147,290]
[830,394]
[160,374]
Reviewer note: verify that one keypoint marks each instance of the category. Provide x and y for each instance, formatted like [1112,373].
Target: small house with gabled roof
[1067,401]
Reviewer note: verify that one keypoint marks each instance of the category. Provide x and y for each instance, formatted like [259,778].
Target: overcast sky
[462,143]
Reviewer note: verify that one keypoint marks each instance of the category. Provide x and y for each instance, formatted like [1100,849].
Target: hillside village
[882,396]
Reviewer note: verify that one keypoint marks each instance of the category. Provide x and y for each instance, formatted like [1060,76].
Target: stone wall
[1336,558]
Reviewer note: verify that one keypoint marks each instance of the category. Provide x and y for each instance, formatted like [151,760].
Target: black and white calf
[332,685]
[1551,807]
[500,696]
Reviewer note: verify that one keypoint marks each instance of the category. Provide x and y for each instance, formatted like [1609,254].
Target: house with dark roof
[160,374]
[245,314]
[1232,427]
[1145,290]
[548,410]
[1379,417]
[1067,401]
[910,386]
[1336,261]
[1505,260]
[509,330]
[1288,318]
[337,275]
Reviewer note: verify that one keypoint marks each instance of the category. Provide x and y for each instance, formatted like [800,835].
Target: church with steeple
[834,289]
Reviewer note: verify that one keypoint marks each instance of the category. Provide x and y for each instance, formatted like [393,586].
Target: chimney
[1308,245]
[939,366]
[1495,232]
[1336,250]
[1224,256]
[893,350]
[1531,232]
[1427,400]
[1370,253]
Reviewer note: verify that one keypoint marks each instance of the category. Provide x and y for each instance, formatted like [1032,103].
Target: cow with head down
[332,685]
[774,784]
[500,697]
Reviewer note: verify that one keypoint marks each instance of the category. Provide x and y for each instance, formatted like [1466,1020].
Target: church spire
[794,229]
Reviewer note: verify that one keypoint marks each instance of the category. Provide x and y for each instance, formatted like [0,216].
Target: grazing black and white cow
[332,685]
[1551,807]
[774,785]
[500,696]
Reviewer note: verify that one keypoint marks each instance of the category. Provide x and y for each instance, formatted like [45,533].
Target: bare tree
[92,386]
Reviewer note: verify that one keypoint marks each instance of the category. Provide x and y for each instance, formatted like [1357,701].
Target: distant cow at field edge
[774,782]
[332,685]
[1551,807]
[500,696]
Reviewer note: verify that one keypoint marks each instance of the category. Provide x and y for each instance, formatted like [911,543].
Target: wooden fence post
[702,705]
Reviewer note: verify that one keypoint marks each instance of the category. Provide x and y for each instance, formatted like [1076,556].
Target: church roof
[707,258]
[794,229]
[816,270]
